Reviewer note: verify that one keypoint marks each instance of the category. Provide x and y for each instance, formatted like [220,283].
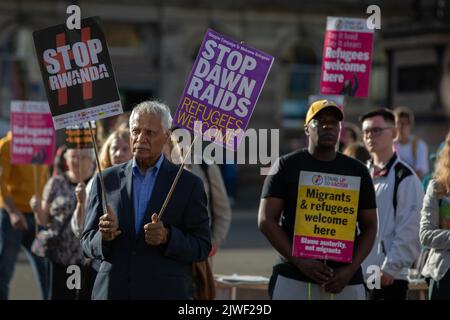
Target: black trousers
[396,291]
[440,290]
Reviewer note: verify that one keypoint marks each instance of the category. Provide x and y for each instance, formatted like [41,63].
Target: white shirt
[405,153]
[397,244]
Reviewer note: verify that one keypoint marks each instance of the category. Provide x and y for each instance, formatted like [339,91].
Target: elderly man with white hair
[144,257]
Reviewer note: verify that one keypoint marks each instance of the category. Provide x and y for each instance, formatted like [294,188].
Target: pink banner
[318,248]
[347,57]
[33,136]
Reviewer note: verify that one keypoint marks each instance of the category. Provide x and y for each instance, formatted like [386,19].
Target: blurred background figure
[219,208]
[230,178]
[54,213]
[410,148]
[435,227]
[358,151]
[17,222]
[116,149]
[59,163]
[352,134]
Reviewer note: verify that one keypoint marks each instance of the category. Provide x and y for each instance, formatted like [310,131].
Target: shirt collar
[384,171]
[155,168]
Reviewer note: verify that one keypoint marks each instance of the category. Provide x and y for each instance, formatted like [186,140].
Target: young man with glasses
[399,200]
[313,279]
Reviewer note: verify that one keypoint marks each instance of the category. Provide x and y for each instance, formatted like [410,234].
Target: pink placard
[347,57]
[321,248]
[33,136]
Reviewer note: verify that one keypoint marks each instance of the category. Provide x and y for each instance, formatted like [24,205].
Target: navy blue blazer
[132,269]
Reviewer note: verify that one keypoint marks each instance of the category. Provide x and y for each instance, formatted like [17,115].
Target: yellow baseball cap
[318,106]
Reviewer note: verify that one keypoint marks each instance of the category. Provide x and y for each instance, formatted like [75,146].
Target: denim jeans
[10,242]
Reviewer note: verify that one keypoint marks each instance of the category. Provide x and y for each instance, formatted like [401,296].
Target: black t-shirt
[284,185]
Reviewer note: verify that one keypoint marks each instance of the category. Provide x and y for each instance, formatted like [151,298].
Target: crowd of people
[110,225]
[397,225]
[68,210]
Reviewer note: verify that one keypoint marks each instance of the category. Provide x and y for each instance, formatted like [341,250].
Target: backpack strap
[414,148]
[401,172]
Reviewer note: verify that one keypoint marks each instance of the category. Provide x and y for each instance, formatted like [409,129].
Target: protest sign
[222,89]
[79,136]
[325,221]
[77,73]
[347,57]
[33,136]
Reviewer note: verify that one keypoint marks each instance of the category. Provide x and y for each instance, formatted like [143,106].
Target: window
[417,78]
[122,35]
[303,72]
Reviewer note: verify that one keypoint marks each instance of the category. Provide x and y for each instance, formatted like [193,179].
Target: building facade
[153,45]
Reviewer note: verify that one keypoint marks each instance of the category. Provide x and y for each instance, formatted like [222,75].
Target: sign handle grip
[102,184]
[80,168]
[35,192]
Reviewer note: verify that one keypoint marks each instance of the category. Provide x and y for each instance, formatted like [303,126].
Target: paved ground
[24,285]
[245,252]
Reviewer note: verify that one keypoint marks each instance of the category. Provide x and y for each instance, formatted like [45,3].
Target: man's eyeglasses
[376,131]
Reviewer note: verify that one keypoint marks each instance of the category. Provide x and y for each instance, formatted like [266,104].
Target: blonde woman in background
[116,149]
[435,227]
